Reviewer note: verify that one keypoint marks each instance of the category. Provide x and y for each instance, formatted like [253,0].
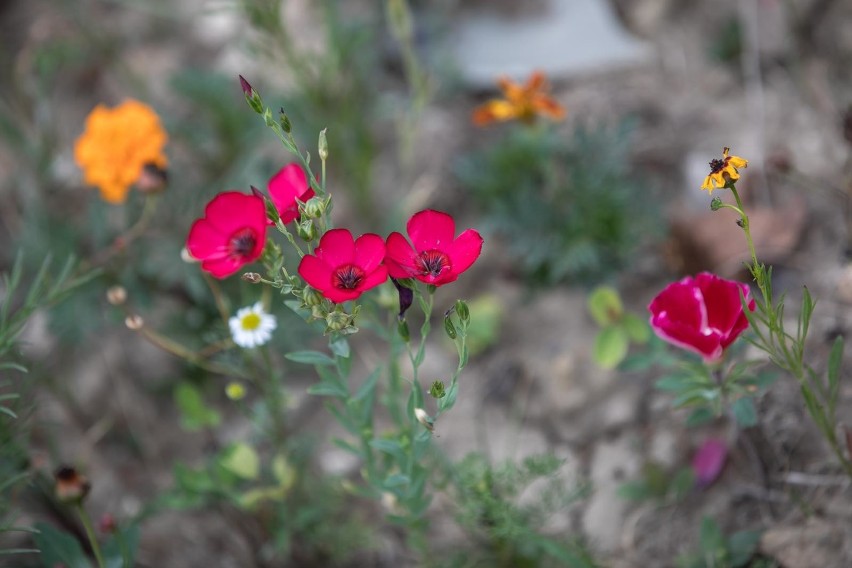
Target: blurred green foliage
[568,210]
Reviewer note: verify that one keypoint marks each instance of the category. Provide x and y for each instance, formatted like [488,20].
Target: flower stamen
[432,263]
[348,277]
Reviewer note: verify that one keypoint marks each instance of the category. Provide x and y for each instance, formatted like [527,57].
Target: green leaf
[310,358]
[742,546]
[637,328]
[339,346]
[744,412]
[59,548]
[610,347]
[700,416]
[712,539]
[391,447]
[834,360]
[241,460]
[682,483]
[123,545]
[634,491]
[329,388]
[283,472]
[605,305]
[195,415]
[368,388]
[396,480]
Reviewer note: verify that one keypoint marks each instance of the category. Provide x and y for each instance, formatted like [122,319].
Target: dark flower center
[717,165]
[348,277]
[432,263]
[242,243]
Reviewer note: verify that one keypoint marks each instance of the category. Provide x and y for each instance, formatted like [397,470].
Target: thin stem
[90,534]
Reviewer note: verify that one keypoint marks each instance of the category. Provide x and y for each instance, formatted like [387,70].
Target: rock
[816,543]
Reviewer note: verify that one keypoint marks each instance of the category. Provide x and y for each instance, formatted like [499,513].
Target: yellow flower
[235,391]
[723,171]
[117,145]
[521,102]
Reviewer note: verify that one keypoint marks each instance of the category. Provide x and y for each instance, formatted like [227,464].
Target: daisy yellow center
[250,322]
[432,263]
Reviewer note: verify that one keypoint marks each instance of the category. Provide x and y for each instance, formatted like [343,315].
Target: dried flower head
[71,485]
[116,146]
[724,171]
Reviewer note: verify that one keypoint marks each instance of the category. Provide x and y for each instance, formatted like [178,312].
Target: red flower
[285,187]
[341,267]
[701,314]
[230,235]
[437,257]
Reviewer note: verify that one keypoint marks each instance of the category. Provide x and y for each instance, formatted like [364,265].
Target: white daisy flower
[252,326]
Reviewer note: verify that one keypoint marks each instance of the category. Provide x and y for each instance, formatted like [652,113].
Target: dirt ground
[537,389]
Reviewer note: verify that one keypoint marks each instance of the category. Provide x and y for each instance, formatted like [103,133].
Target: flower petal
[400,257]
[222,267]
[374,278]
[369,251]
[493,111]
[464,251]
[708,461]
[315,272]
[431,230]
[285,187]
[232,210]
[336,247]
[205,241]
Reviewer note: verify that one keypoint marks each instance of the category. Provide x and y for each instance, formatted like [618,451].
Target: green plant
[719,551]
[568,210]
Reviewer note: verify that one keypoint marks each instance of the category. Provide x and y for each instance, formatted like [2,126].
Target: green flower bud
[315,208]
[311,297]
[449,327]
[322,146]
[438,390]
[402,328]
[307,230]
[284,121]
[463,311]
[338,320]
[716,203]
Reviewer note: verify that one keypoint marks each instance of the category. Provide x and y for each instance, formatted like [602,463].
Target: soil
[536,389]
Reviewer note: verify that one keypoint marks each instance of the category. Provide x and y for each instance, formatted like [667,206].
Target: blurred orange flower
[117,145]
[521,102]
[723,171]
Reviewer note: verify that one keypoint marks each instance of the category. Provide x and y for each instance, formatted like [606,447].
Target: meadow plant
[706,315]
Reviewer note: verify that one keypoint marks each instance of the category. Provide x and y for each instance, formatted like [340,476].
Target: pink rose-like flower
[285,187]
[437,257]
[701,314]
[342,268]
[230,235]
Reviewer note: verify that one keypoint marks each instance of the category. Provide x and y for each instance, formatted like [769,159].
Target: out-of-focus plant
[720,551]
[618,327]
[567,209]
[505,532]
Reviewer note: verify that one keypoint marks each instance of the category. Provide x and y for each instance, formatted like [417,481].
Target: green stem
[90,534]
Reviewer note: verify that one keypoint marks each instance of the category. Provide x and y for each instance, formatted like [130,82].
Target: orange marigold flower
[723,171]
[521,102]
[117,145]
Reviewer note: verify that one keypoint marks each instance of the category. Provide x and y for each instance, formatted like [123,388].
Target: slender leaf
[310,358]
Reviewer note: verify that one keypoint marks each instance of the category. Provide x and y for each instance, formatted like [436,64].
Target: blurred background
[653,90]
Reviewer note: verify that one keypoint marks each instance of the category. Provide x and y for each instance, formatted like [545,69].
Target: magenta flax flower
[231,234]
[287,186]
[702,314]
[708,461]
[342,268]
[435,255]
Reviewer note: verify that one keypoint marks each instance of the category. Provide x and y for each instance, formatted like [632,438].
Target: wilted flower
[285,187]
[723,171]
[231,234]
[252,326]
[70,485]
[437,257]
[117,145]
[521,102]
[702,314]
[342,268]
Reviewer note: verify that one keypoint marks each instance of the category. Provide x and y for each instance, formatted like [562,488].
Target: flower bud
[307,230]
[424,418]
[107,524]
[71,486]
[716,203]
[284,121]
[462,311]
[252,277]
[322,145]
[315,208]
[449,327]
[311,297]
[438,390]
[402,328]
[134,322]
[116,295]
[318,312]
[406,296]
[252,97]
[338,320]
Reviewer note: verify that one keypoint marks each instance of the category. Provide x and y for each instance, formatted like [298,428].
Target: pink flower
[701,314]
[708,461]
[437,257]
[285,187]
[230,235]
[341,267]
